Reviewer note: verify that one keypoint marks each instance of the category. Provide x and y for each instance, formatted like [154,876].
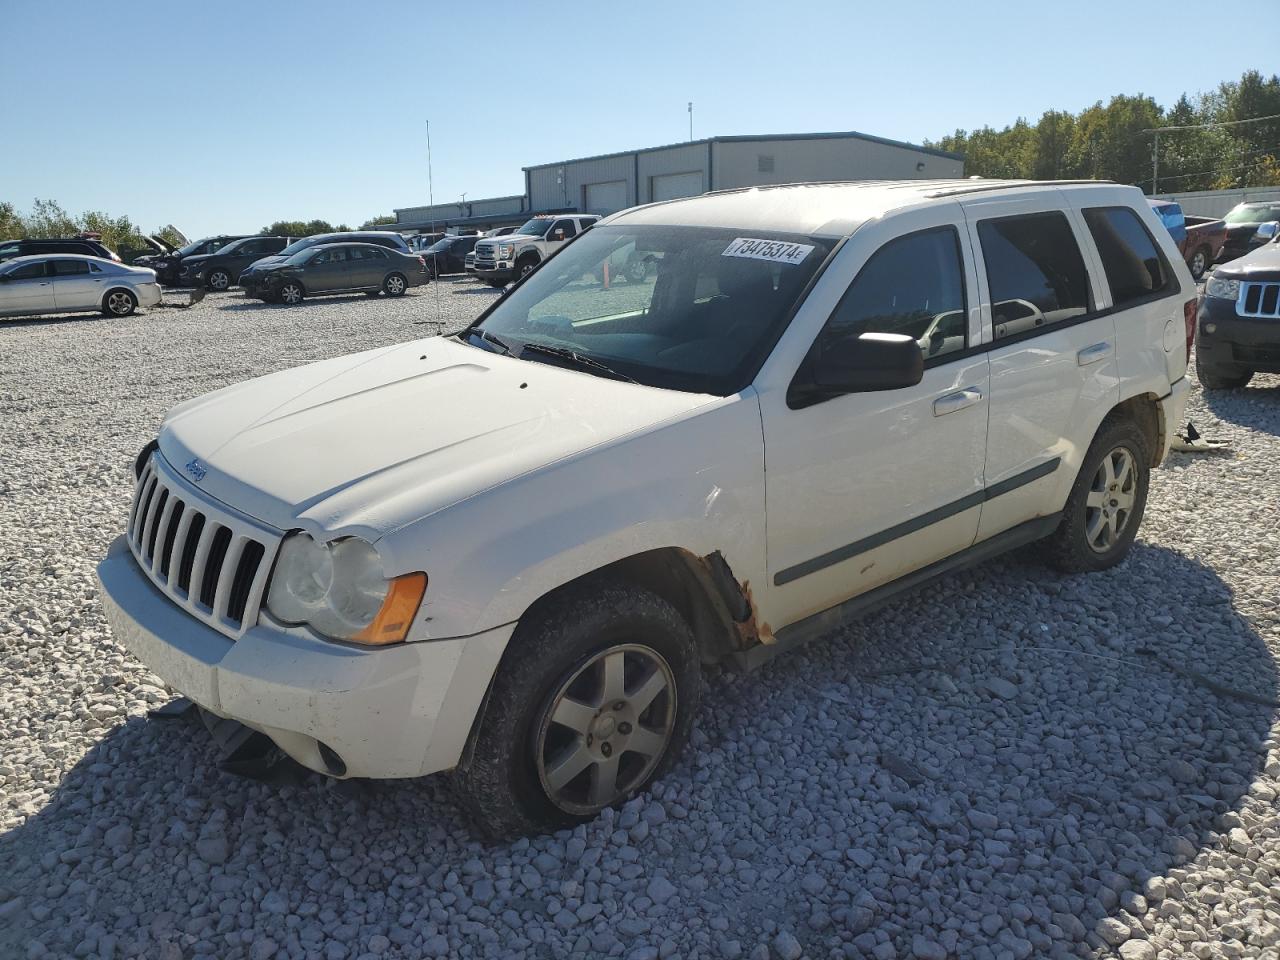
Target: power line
[1213,123]
[1204,173]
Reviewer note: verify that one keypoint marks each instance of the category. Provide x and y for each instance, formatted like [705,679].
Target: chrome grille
[1259,300]
[485,251]
[211,562]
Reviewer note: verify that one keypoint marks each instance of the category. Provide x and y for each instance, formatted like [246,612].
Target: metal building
[615,181]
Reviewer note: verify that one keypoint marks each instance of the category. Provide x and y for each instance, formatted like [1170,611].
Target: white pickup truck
[509,552]
[500,260]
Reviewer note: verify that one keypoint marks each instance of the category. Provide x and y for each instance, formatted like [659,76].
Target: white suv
[500,260]
[508,552]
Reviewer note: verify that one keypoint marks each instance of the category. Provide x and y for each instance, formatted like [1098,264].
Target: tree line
[1118,141]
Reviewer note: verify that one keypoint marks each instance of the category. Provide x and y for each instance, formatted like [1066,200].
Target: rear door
[365,269]
[26,289]
[75,286]
[1053,351]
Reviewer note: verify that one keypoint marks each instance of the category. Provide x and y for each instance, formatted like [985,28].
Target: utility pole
[690,121]
[1155,164]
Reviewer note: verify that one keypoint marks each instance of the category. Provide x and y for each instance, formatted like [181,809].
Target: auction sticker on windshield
[777,251]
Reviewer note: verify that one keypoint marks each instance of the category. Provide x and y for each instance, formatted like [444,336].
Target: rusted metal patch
[738,601]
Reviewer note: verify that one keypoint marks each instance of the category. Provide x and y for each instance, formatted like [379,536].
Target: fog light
[1210,328]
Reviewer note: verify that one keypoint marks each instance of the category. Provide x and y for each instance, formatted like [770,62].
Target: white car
[500,260]
[509,552]
[70,283]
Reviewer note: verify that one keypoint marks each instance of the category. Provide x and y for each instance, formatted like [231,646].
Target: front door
[25,290]
[328,270]
[75,285]
[863,488]
[1053,356]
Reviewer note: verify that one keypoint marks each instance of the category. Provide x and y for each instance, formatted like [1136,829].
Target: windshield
[195,246]
[440,245]
[1245,214]
[300,245]
[687,308]
[537,227]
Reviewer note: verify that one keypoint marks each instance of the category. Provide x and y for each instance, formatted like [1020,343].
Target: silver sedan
[69,283]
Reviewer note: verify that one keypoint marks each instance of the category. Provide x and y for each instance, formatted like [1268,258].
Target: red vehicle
[1200,239]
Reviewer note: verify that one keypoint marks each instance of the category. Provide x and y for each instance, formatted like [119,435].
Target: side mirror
[557,235]
[872,361]
[1268,231]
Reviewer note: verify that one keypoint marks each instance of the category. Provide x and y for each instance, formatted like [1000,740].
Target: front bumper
[1240,343]
[500,270]
[401,711]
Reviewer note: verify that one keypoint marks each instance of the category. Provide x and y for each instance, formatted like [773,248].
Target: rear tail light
[1189,316]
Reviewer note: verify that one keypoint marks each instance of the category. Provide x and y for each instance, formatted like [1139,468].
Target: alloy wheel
[291,293]
[395,286]
[120,303]
[218,280]
[1110,501]
[1198,264]
[606,728]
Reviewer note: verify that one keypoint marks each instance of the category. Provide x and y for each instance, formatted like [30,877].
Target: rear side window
[1134,265]
[1035,272]
[69,268]
[913,285]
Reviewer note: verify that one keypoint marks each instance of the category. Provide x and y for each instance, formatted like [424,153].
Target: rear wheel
[395,285]
[119,303]
[291,292]
[1218,378]
[218,280]
[1106,503]
[594,699]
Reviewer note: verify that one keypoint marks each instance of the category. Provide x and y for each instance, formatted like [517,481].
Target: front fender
[697,484]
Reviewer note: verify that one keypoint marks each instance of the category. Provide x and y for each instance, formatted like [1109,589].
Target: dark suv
[448,255]
[167,265]
[217,271]
[29,248]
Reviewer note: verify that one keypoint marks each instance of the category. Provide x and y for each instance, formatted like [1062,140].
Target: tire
[510,780]
[218,280]
[290,293]
[119,303]
[1215,378]
[395,285]
[525,266]
[1105,507]
[1198,263]
[496,284]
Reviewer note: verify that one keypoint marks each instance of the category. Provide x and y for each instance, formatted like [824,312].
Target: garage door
[672,186]
[606,197]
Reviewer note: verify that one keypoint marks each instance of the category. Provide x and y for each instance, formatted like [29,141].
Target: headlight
[1222,288]
[506,249]
[338,589]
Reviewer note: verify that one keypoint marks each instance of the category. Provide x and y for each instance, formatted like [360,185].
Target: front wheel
[395,285]
[1216,378]
[291,293]
[1106,503]
[1199,263]
[218,280]
[594,699]
[526,266]
[119,303]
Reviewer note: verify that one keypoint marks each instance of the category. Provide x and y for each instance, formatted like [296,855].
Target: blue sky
[227,116]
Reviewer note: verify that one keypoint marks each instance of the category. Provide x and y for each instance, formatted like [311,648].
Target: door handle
[956,401]
[1094,353]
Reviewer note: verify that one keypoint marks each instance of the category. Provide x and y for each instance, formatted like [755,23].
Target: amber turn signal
[392,623]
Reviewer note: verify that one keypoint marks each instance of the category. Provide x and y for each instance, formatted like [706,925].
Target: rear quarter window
[1035,272]
[1136,270]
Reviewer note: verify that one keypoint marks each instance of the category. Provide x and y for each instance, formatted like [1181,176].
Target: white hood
[365,443]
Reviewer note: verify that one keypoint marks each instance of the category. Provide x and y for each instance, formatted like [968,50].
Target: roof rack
[983,186]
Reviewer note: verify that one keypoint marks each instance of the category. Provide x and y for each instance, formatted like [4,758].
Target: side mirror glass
[1268,231]
[557,235]
[872,361]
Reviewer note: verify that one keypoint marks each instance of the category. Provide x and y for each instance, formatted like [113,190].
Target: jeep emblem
[197,470]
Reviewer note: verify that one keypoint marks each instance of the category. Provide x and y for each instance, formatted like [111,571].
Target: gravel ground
[989,768]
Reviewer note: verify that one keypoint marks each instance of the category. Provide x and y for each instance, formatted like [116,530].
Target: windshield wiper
[582,362]
[484,334]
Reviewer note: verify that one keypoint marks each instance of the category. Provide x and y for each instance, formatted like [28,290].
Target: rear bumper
[1240,343]
[148,294]
[1174,408]
[401,711]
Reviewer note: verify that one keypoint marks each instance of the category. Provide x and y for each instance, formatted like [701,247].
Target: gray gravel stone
[1058,789]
